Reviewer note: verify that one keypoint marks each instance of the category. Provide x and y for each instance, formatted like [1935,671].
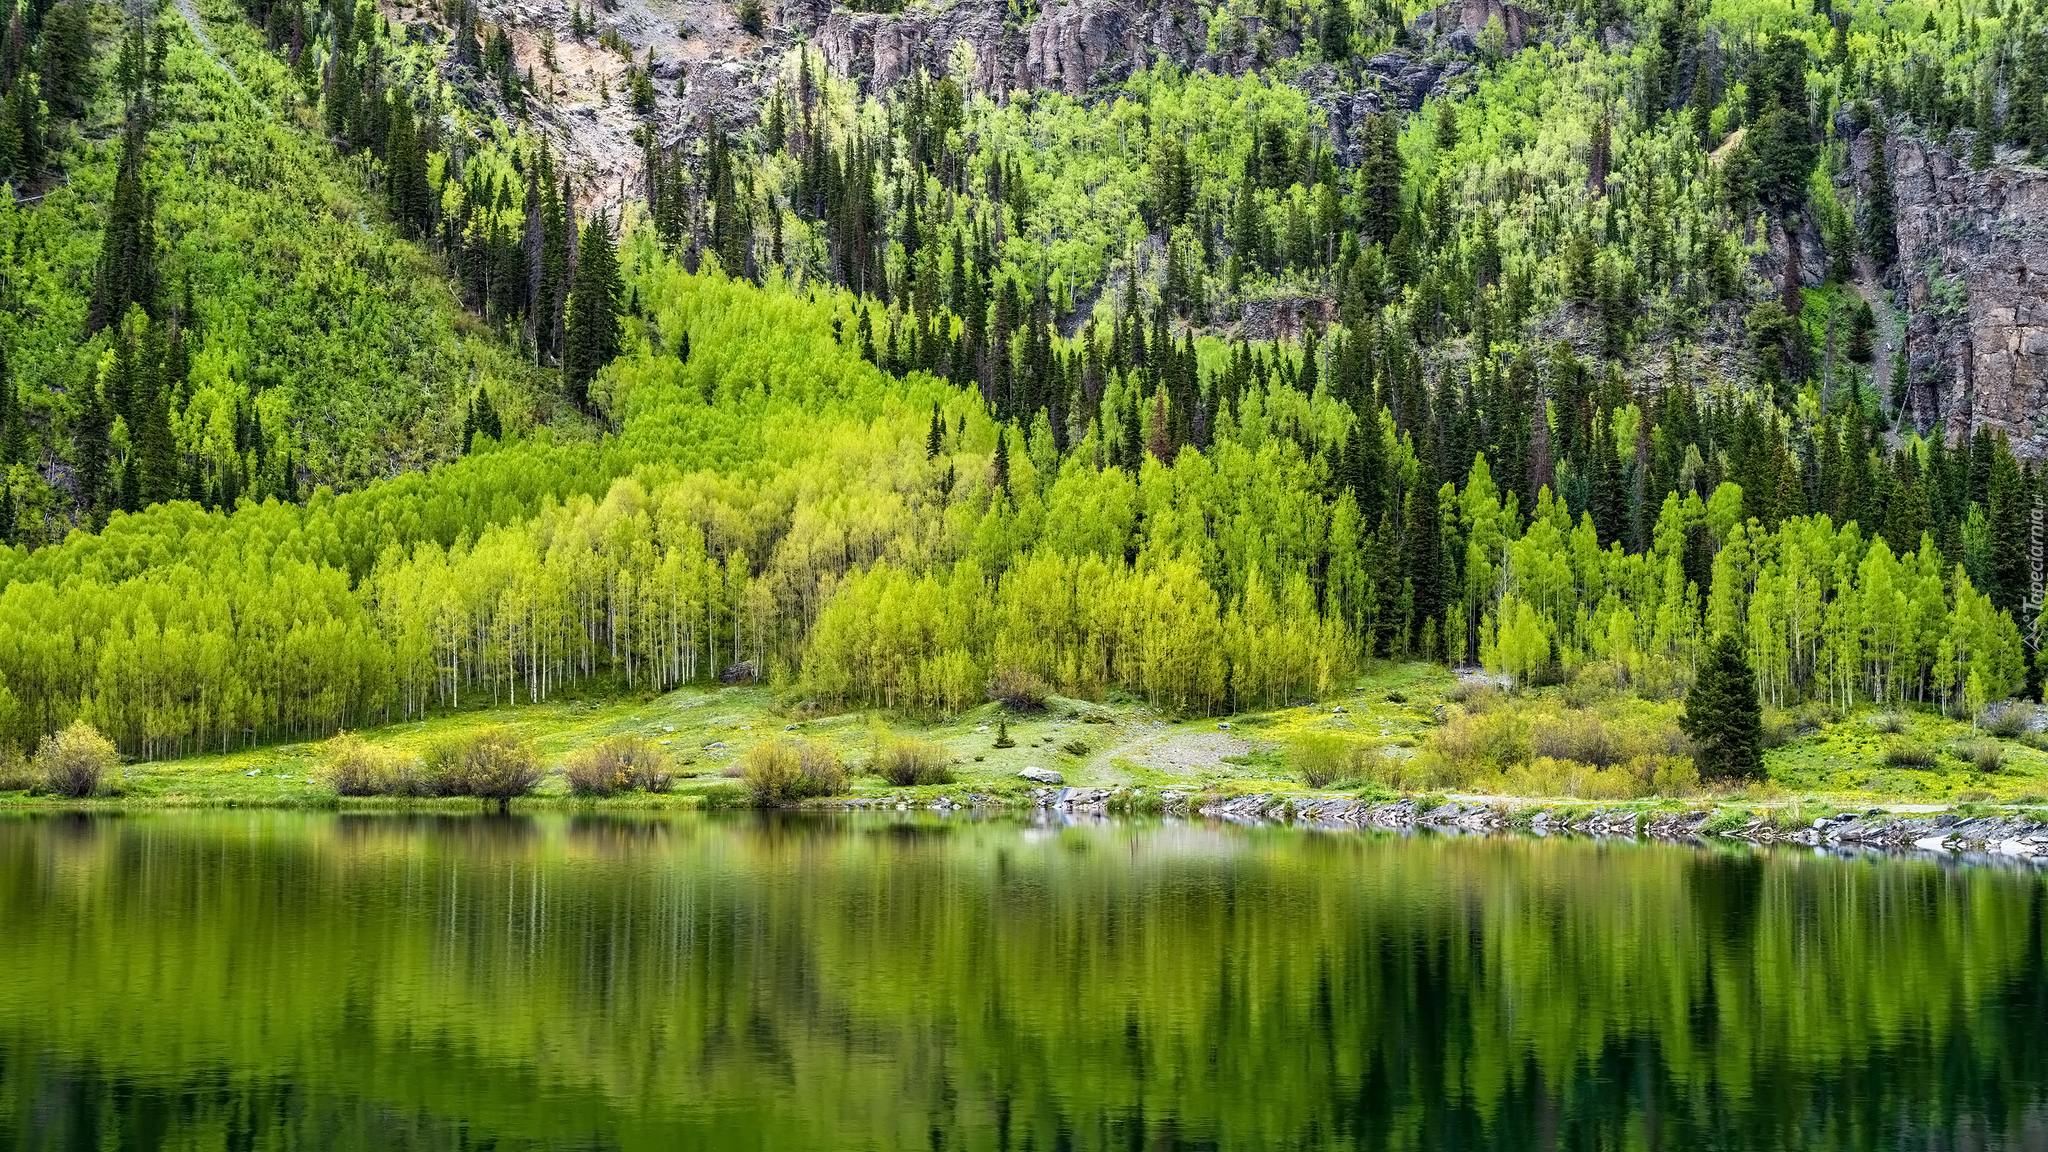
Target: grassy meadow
[1402,729]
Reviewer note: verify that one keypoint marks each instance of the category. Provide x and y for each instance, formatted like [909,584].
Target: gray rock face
[1462,22]
[1077,46]
[1973,267]
[1042,776]
[1069,47]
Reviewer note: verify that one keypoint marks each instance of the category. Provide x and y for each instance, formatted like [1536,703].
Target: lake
[239,980]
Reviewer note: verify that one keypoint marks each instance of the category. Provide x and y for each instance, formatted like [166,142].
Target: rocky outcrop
[1069,47]
[1079,46]
[1464,22]
[1972,275]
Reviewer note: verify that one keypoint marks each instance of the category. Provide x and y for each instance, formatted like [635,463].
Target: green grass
[707,731]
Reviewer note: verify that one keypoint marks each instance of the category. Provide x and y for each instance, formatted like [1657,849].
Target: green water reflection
[268,980]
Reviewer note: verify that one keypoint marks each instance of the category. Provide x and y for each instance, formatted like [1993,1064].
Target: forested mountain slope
[1558,341]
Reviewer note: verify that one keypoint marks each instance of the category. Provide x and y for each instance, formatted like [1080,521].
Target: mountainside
[366,362]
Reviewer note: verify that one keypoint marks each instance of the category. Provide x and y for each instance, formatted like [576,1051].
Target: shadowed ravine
[234,980]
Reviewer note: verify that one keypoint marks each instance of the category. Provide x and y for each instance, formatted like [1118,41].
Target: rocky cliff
[1078,46]
[1972,287]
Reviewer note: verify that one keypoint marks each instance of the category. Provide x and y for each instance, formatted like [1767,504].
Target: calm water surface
[242,981]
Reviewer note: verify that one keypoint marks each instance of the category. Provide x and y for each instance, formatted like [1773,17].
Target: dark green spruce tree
[592,336]
[1723,715]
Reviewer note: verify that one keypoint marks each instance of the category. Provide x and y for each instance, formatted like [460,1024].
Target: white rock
[1932,844]
[1039,775]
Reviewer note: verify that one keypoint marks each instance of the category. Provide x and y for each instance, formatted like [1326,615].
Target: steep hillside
[1288,341]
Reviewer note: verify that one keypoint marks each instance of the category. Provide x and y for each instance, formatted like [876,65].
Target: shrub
[1076,747]
[1326,759]
[1003,735]
[1890,722]
[16,773]
[620,764]
[2009,721]
[358,768]
[491,765]
[753,17]
[1908,754]
[1320,757]
[906,762]
[792,768]
[1987,755]
[72,762]
[1018,690]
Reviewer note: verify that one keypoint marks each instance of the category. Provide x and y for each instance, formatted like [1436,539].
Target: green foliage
[1723,716]
[622,763]
[72,763]
[355,767]
[494,765]
[907,762]
[792,769]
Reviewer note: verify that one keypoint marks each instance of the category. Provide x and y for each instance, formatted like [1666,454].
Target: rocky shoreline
[2014,837]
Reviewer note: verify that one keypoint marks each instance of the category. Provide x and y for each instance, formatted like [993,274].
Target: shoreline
[2012,835]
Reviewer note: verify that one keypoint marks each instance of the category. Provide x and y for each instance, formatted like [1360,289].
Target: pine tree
[1723,715]
[1982,143]
[999,464]
[935,440]
[1880,227]
[592,326]
[126,273]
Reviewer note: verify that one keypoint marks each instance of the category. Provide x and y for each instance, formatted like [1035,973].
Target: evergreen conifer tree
[999,465]
[1723,716]
[592,326]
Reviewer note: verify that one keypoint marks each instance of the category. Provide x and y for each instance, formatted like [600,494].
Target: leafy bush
[2009,721]
[1018,690]
[16,773]
[493,764]
[753,17]
[72,762]
[1986,755]
[792,768]
[907,762]
[357,768]
[1908,754]
[1320,757]
[1076,747]
[624,763]
[1326,759]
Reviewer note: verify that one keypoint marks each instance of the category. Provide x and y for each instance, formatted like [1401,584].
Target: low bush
[1003,739]
[1076,747]
[907,762]
[1890,722]
[491,765]
[2008,722]
[1332,759]
[1651,775]
[624,763]
[1986,755]
[355,767]
[16,773]
[72,763]
[1726,820]
[792,768]
[1018,690]
[1908,754]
